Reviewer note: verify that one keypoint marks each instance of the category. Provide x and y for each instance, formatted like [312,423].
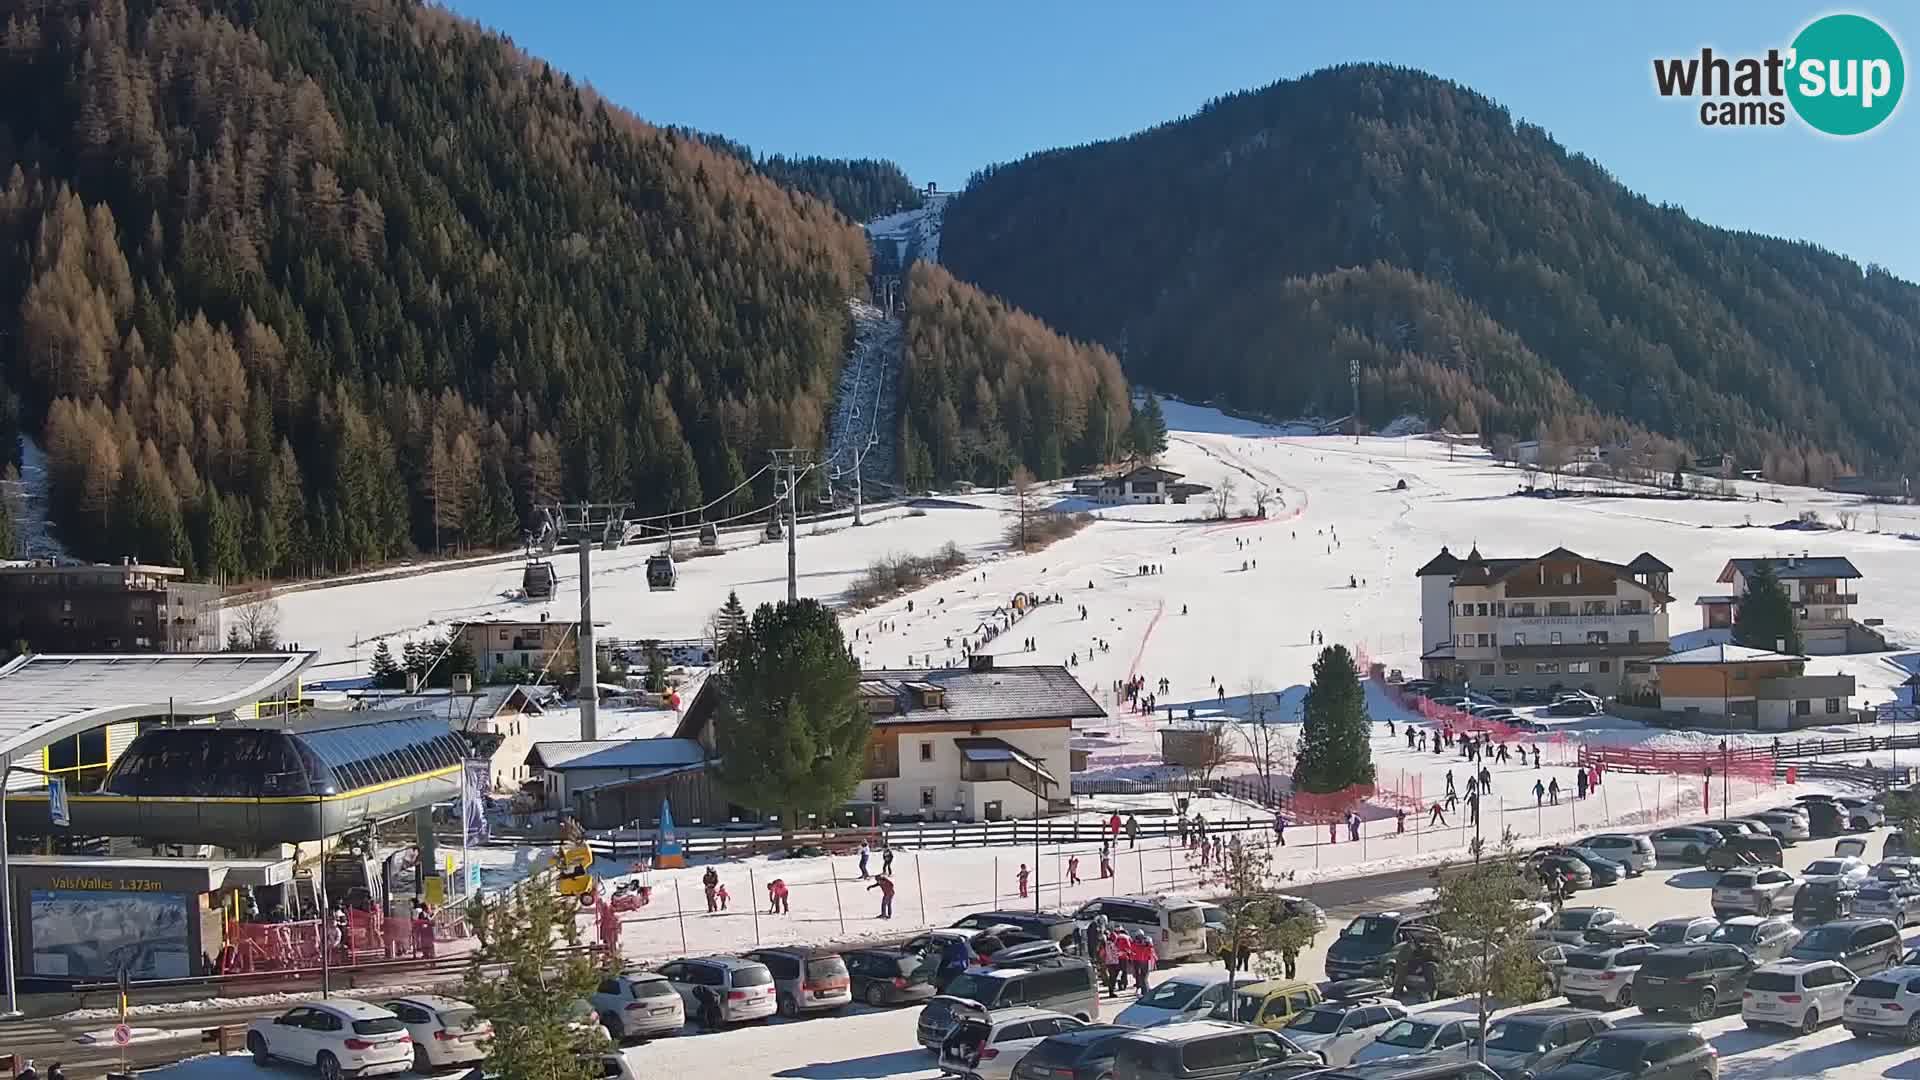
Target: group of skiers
[1121,954]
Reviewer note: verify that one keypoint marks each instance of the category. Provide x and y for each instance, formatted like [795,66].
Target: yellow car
[1268,1004]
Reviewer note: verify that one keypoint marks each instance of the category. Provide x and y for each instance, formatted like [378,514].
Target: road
[871,1044]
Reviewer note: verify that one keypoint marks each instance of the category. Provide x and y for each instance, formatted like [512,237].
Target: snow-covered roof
[1725,654]
[49,696]
[1795,566]
[1037,692]
[614,754]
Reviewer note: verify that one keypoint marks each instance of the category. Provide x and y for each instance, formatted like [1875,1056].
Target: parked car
[1897,901]
[1634,852]
[1532,1041]
[1602,977]
[1573,873]
[1604,870]
[889,976]
[1641,1053]
[1204,1050]
[1897,868]
[1790,824]
[638,1005]
[1531,695]
[1427,1035]
[1886,1004]
[1082,1053]
[1845,868]
[1186,995]
[1178,927]
[1268,1004]
[1865,946]
[1036,925]
[1062,984]
[339,1036]
[988,1045]
[1588,925]
[1370,944]
[1862,814]
[1727,827]
[1895,845]
[743,989]
[1684,930]
[1575,707]
[1763,937]
[1753,849]
[1826,818]
[444,1031]
[1683,844]
[1336,1030]
[1753,892]
[1698,980]
[1823,901]
[1796,994]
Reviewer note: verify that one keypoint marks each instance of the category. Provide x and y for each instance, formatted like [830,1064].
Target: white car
[986,1046]
[1188,995]
[1846,869]
[1789,823]
[1337,1030]
[444,1031]
[1442,1038]
[340,1037]
[638,1005]
[1886,1004]
[616,1067]
[1683,844]
[1602,978]
[1862,814]
[1634,852]
[1796,994]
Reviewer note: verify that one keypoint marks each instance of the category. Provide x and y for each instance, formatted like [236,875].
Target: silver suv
[1761,891]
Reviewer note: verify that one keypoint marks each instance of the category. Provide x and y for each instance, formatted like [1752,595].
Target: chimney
[979,662]
[413,682]
[462,683]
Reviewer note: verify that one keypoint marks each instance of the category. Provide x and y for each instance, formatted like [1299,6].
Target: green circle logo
[1847,74]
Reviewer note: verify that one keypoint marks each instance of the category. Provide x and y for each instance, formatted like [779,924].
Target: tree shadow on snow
[874,1067]
[1813,1061]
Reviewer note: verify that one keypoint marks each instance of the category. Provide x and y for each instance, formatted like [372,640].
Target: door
[290,1039]
[324,1031]
[676,975]
[1731,967]
[1831,991]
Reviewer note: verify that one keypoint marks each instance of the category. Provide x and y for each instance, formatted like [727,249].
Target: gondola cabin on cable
[774,531]
[709,535]
[661,573]
[538,579]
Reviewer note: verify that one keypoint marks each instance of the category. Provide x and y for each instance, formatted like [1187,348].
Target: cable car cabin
[661,573]
[537,580]
[774,532]
[709,536]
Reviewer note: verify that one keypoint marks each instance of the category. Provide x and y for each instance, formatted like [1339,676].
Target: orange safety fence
[1754,764]
[254,946]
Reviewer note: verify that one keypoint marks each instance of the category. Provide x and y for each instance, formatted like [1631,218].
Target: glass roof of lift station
[264,762]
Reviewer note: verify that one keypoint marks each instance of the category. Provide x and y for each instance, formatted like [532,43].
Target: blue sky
[946,88]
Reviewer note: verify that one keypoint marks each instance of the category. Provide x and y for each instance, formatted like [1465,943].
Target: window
[1579,667]
[1500,608]
[1633,636]
[1559,607]
[1594,607]
[1519,639]
[1513,668]
[1803,707]
[1833,705]
[1466,641]
[1523,610]
[503,635]
[1487,669]
[1480,609]
[139,620]
[1596,637]
[1554,638]
[1566,578]
[1606,666]
[1546,667]
[879,794]
[1631,607]
[1485,640]
[927,796]
[926,751]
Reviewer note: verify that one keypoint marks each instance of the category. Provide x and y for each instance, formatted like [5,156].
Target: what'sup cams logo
[1842,75]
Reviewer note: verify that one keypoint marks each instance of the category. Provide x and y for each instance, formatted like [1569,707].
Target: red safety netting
[286,945]
[1748,763]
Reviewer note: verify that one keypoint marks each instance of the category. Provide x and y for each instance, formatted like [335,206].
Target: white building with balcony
[1820,588]
[1555,621]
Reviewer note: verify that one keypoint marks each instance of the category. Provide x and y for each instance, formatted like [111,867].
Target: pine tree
[656,667]
[790,730]
[1485,951]
[413,660]
[1334,730]
[1766,615]
[522,982]
[457,659]
[1147,436]
[731,619]
[386,673]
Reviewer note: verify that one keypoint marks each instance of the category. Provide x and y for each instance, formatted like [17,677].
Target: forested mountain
[1479,273]
[989,387]
[860,188]
[291,286]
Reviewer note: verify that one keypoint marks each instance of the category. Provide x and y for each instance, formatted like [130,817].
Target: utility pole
[587,524]
[790,465]
[1353,376]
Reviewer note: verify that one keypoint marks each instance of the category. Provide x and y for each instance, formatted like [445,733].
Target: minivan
[743,988]
[1865,946]
[806,980]
[1179,927]
[1371,944]
[1200,1050]
[1635,852]
[1063,984]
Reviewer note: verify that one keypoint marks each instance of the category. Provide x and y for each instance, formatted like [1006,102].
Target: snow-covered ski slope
[1243,628]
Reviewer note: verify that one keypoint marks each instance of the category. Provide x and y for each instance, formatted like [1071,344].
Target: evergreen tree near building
[1766,615]
[386,671]
[790,731]
[521,981]
[455,659]
[1147,435]
[1334,751]
[1484,949]
[656,667]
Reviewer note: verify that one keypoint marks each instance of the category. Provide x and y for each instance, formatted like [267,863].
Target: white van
[1178,927]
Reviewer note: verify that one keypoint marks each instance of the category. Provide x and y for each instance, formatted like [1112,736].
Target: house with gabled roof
[1820,588]
[1751,688]
[1561,620]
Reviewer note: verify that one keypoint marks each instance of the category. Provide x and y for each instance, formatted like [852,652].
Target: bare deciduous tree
[1261,496]
[1223,497]
[1266,739]
[254,627]
[1026,503]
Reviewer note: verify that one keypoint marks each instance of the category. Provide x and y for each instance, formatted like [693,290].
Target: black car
[1823,901]
[1370,945]
[1747,850]
[1035,925]
[1865,946]
[1825,818]
[889,976]
[1640,1053]
[1573,873]
[1576,926]
[1530,695]
[1698,980]
[1403,1069]
[1080,1054]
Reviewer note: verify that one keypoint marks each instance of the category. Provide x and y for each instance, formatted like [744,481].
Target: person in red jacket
[885,885]
[1145,956]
